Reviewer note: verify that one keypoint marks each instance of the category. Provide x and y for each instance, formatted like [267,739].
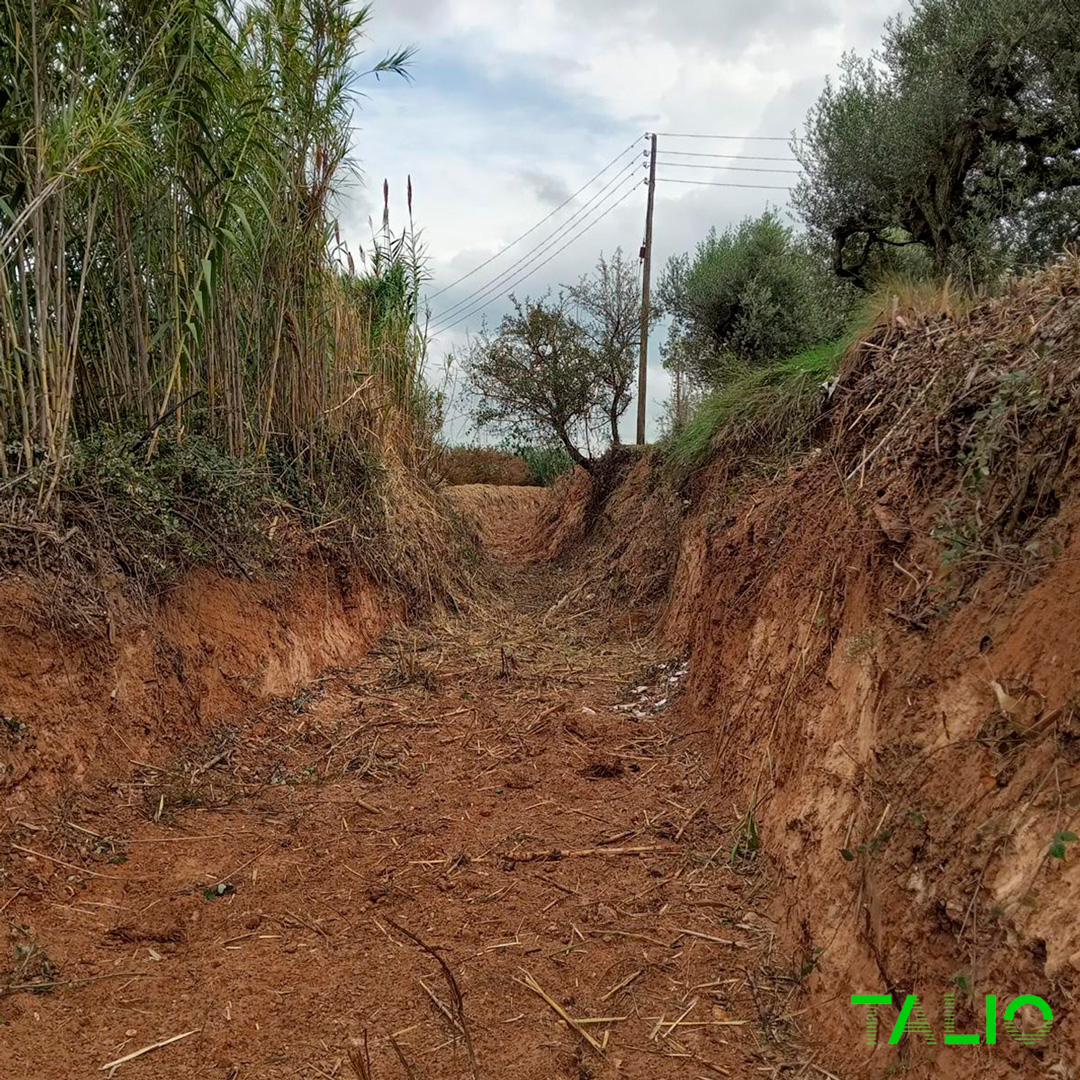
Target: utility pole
[646,268]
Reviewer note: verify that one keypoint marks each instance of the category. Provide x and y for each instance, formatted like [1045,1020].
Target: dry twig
[456,997]
[580,853]
[531,984]
[146,1049]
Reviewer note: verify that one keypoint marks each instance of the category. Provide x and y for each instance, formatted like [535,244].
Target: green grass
[769,410]
[546,463]
[768,413]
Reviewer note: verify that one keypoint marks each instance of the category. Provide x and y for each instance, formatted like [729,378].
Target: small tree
[537,377]
[679,354]
[611,302]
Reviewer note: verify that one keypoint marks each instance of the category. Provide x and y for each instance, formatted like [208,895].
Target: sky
[514,104]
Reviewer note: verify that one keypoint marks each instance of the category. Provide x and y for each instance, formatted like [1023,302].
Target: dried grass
[428,553]
[504,517]
[979,403]
[482,465]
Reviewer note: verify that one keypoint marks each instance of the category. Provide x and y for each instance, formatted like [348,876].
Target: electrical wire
[484,295]
[553,237]
[630,191]
[714,183]
[733,138]
[531,270]
[728,168]
[539,248]
[529,232]
[730,157]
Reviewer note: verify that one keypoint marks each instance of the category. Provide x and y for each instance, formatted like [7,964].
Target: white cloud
[516,103]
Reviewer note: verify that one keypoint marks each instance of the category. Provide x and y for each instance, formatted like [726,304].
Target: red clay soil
[495,805]
[503,515]
[80,707]
[866,781]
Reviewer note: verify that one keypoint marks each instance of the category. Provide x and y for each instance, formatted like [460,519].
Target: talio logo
[913,1019]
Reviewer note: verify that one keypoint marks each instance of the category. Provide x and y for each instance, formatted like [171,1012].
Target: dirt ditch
[710,756]
[882,635]
[478,848]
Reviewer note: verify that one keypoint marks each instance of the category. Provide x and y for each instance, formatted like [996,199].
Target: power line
[493,290]
[540,248]
[531,270]
[733,138]
[728,168]
[714,183]
[484,295]
[543,221]
[553,237]
[730,157]
[577,236]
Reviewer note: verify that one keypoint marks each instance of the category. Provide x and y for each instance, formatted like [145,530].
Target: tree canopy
[536,377]
[609,311]
[753,293]
[960,136]
[562,369]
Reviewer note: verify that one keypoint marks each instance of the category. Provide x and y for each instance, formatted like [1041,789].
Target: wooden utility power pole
[646,268]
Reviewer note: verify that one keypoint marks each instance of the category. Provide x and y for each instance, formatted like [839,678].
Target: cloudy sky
[515,104]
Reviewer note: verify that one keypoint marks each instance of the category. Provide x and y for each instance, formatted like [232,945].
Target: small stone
[892,525]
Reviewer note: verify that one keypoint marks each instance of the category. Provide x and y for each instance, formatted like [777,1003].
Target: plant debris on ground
[482,843]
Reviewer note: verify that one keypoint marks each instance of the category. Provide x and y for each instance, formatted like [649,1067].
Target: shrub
[546,463]
[748,295]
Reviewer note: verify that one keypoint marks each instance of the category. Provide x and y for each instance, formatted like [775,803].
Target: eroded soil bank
[713,755]
[82,707]
[883,642]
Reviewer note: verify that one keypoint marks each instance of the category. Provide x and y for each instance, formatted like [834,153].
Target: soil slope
[532,840]
[884,656]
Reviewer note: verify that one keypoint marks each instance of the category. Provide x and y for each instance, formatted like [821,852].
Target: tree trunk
[576,455]
[840,268]
[614,415]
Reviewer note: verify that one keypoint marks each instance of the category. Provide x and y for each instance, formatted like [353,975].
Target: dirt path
[270,892]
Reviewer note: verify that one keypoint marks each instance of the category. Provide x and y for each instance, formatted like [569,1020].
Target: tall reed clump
[167,242]
[170,264]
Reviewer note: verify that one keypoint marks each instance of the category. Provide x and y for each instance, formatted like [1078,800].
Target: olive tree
[753,293]
[960,137]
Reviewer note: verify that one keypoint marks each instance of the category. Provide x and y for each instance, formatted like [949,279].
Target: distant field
[531,465]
